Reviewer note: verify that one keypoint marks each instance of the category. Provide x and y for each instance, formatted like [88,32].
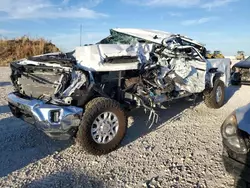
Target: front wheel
[103,126]
[215,97]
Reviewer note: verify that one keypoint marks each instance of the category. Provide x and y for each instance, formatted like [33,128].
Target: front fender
[223,66]
[217,75]
[214,76]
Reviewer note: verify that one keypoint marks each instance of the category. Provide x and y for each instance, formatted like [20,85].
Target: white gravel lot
[183,150]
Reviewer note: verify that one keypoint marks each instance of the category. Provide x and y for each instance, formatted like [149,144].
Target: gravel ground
[183,150]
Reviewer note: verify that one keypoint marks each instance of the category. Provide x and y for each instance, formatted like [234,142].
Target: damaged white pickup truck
[86,93]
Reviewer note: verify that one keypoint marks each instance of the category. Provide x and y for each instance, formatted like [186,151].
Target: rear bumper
[58,122]
[236,168]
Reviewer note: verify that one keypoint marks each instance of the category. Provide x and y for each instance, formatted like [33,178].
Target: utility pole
[81,35]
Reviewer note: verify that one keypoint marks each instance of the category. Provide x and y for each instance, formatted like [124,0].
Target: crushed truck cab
[85,93]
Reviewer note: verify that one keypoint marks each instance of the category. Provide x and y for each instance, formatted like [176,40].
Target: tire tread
[210,96]
[93,107]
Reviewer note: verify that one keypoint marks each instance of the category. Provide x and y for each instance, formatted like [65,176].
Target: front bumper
[234,167]
[58,122]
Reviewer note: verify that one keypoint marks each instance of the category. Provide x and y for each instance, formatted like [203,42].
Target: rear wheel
[215,97]
[103,126]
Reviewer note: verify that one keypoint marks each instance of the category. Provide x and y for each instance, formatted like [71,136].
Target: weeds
[23,47]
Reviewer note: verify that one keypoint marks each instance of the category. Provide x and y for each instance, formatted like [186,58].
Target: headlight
[231,135]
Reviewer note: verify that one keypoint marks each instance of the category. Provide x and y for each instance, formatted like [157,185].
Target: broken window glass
[120,38]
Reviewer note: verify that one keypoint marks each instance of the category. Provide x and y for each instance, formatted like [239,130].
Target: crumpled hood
[243,118]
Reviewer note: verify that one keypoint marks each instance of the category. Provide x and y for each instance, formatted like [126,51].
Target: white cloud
[85,3]
[31,9]
[175,14]
[65,2]
[181,3]
[198,21]
[159,3]
[216,3]
[3,32]
[92,3]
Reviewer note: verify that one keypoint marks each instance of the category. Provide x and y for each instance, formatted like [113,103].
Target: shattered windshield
[120,38]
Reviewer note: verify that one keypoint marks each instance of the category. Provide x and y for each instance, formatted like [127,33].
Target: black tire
[93,109]
[210,96]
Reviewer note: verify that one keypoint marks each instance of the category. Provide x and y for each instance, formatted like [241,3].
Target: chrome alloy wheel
[105,127]
[218,94]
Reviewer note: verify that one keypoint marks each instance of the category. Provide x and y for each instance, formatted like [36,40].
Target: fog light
[55,116]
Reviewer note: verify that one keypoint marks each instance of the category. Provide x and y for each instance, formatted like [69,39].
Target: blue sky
[220,24]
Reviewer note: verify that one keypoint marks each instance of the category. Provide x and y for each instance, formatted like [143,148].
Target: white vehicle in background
[85,93]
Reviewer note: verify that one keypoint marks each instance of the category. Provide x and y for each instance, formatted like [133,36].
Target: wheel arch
[215,74]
